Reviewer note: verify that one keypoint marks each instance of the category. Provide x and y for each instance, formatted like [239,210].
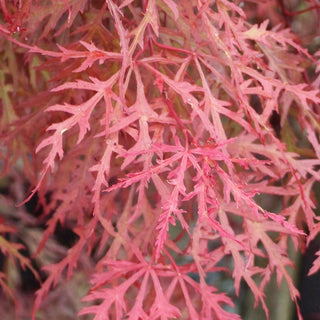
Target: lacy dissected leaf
[153,301]
[81,115]
[92,55]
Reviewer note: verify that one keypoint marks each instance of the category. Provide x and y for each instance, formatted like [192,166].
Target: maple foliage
[145,127]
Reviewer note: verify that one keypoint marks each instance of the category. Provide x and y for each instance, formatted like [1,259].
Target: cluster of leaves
[144,126]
